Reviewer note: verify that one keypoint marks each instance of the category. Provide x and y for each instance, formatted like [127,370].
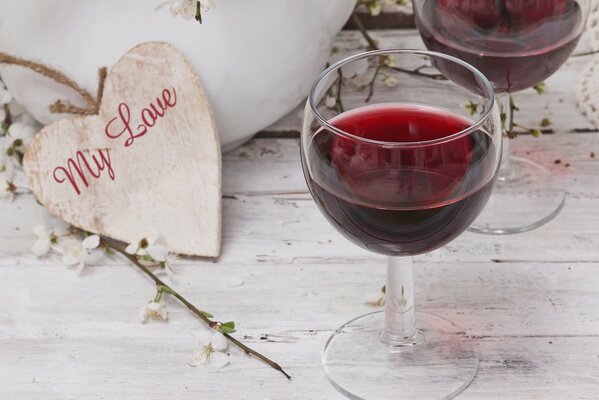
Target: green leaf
[472,107]
[536,133]
[198,15]
[227,327]
[148,258]
[206,314]
[540,88]
[167,290]
[545,122]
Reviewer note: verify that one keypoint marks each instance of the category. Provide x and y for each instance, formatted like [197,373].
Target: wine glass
[517,44]
[400,168]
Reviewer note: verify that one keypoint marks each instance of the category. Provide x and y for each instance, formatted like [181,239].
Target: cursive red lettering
[166,96]
[149,117]
[158,111]
[125,119]
[80,165]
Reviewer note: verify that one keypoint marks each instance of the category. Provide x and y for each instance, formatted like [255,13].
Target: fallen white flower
[5,96]
[15,109]
[21,131]
[153,310]
[212,354]
[80,253]
[7,166]
[43,241]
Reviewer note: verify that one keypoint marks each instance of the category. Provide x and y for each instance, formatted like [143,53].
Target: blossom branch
[372,44]
[203,315]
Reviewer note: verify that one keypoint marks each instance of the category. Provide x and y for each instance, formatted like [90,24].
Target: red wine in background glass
[401,200]
[515,43]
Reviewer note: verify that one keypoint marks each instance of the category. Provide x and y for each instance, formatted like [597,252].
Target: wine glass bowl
[516,44]
[400,167]
[405,176]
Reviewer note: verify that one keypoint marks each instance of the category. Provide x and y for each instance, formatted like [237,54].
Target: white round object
[257,59]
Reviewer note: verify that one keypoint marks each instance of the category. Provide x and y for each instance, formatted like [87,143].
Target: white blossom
[361,80]
[2,114]
[330,102]
[390,81]
[80,253]
[212,353]
[153,310]
[5,96]
[7,170]
[7,173]
[185,8]
[389,60]
[168,268]
[59,226]
[149,247]
[391,6]
[7,193]
[43,243]
[374,8]
[16,109]
[22,131]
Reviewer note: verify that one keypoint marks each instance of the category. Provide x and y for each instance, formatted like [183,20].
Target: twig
[7,116]
[371,42]
[586,53]
[436,77]
[372,82]
[201,314]
[338,102]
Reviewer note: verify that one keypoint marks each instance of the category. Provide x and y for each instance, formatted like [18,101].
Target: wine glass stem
[399,302]
[505,169]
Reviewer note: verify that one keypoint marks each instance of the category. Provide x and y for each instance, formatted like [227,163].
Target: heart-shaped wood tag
[148,164]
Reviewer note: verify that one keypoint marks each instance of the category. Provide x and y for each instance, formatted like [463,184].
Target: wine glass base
[522,201]
[439,365]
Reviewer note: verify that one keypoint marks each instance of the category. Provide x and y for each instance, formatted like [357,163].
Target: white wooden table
[530,300]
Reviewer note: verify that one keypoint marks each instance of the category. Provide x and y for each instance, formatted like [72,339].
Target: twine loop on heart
[61,106]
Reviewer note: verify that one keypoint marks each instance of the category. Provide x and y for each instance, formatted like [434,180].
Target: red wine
[400,201]
[515,43]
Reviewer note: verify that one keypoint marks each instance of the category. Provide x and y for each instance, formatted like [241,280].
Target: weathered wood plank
[78,337]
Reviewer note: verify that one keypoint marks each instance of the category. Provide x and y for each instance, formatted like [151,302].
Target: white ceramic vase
[257,59]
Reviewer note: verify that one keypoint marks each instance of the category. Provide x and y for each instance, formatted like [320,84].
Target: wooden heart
[149,163]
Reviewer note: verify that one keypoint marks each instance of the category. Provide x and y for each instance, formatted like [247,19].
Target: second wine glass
[516,44]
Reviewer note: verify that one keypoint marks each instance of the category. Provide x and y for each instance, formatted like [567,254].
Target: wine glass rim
[486,87]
